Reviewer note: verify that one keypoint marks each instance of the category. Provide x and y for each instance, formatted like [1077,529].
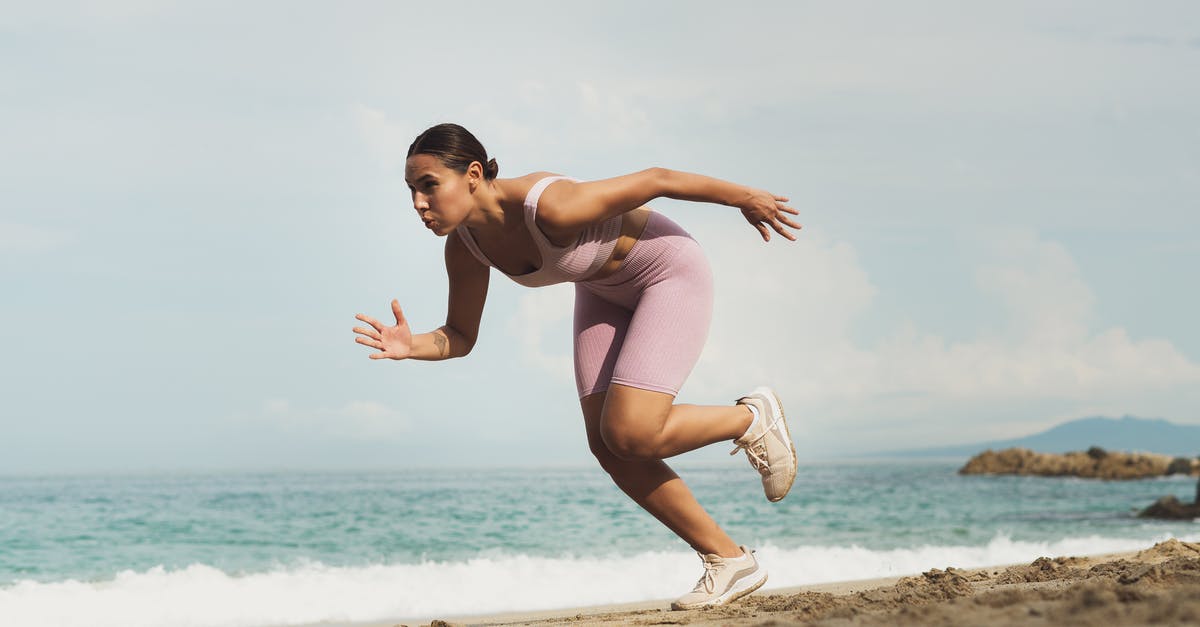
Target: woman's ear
[474,175]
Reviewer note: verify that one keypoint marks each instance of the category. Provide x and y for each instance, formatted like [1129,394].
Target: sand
[1160,585]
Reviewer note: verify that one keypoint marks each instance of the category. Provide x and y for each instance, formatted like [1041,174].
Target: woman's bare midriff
[632,224]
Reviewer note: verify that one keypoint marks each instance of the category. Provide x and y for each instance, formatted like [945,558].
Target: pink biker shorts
[645,325]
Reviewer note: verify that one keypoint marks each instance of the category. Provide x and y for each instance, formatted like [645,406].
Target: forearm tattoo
[439,339]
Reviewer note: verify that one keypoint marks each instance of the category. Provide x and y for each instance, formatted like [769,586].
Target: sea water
[339,547]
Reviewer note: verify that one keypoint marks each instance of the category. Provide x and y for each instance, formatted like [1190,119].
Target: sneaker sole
[769,394]
[730,595]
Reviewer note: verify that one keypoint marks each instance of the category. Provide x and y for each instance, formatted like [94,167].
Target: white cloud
[1048,348]
[1048,352]
[387,139]
[355,420]
[785,316]
[541,324]
[1038,284]
[610,115]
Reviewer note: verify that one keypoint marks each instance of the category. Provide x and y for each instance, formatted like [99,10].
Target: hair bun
[491,169]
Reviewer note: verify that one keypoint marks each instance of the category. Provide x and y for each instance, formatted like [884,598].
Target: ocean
[297,548]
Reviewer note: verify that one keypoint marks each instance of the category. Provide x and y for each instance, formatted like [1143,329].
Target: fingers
[762,229]
[376,344]
[371,333]
[374,338]
[782,219]
[779,229]
[790,222]
[371,321]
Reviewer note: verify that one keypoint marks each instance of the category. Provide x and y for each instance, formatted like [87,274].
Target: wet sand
[1160,585]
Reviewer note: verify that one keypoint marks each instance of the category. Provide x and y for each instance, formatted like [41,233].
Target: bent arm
[468,291]
[700,188]
[566,207]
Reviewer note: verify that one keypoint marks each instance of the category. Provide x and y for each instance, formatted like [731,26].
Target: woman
[643,300]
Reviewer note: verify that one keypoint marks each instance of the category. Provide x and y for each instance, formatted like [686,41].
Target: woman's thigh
[666,334]
[600,328]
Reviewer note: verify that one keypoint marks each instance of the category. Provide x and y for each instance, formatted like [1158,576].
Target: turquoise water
[92,527]
[424,524]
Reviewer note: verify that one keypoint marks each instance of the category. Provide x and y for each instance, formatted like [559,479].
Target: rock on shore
[1095,463]
[1171,508]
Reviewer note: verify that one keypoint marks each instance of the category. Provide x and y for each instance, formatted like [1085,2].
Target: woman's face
[441,196]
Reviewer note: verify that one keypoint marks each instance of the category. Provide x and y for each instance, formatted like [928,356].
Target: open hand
[394,342]
[763,208]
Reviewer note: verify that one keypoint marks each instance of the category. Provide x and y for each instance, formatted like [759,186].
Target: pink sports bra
[570,263]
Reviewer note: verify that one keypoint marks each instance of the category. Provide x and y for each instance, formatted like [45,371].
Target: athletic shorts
[645,325]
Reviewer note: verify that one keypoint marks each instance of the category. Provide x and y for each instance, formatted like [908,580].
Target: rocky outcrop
[1095,463]
[1171,508]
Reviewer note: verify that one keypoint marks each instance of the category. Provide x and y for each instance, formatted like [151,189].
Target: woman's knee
[632,422]
[630,441]
[608,460]
[593,414]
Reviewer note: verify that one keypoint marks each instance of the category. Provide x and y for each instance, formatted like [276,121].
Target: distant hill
[1151,435]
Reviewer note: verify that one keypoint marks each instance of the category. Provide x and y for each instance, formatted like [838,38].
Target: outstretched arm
[567,207]
[468,291]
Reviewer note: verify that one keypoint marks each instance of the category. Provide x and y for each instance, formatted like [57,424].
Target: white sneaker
[769,447]
[725,580]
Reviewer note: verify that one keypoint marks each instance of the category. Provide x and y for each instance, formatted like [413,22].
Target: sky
[1001,203]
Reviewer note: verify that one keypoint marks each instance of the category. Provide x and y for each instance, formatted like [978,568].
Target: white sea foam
[200,595]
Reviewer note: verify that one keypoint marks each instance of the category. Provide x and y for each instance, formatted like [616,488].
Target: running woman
[643,302]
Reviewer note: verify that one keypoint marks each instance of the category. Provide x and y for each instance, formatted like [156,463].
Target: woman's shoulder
[519,186]
[533,177]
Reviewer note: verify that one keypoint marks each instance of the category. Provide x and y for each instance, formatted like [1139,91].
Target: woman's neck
[495,212]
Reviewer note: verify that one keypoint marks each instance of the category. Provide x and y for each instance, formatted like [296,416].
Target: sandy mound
[1160,585]
[1042,569]
[1169,549]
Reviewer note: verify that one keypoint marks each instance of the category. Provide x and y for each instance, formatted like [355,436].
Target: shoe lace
[708,581]
[756,452]
[756,449]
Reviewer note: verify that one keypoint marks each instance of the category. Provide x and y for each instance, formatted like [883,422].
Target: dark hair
[455,147]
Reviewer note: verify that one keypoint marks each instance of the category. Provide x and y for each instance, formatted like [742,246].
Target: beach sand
[1160,585]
